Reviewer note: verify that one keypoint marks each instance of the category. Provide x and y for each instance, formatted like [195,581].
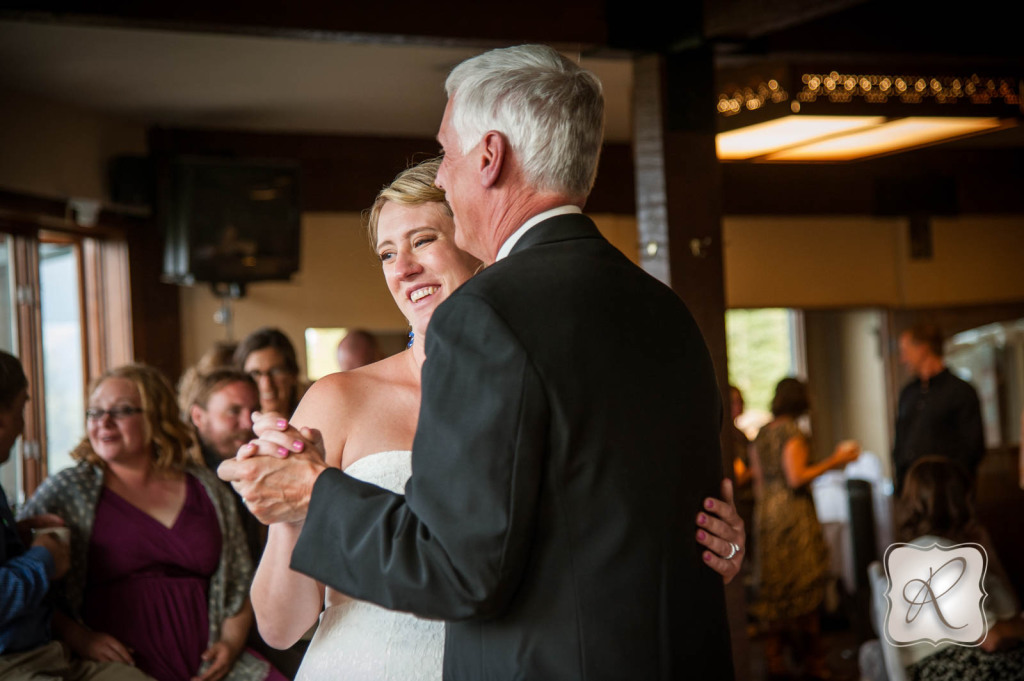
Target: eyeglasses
[117,413]
[272,373]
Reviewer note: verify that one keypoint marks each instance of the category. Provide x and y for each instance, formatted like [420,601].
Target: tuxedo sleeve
[454,547]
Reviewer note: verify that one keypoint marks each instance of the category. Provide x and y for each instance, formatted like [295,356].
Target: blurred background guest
[742,472]
[357,349]
[221,354]
[28,567]
[221,409]
[159,572]
[269,357]
[938,413]
[791,562]
[937,507]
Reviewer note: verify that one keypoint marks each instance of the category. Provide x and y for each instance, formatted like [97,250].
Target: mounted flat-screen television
[230,221]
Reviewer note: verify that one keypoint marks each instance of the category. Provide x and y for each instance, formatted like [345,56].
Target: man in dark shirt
[939,413]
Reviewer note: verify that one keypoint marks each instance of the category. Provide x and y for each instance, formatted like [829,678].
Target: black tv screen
[230,220]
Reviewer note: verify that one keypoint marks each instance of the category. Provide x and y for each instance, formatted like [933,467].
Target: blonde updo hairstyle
[173,442]
[411,187]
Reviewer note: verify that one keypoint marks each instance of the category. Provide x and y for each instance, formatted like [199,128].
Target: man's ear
[196,414]
[492,157]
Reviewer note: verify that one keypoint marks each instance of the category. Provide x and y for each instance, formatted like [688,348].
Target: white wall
[846,377]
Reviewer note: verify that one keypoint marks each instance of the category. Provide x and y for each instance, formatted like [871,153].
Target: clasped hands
[274,474]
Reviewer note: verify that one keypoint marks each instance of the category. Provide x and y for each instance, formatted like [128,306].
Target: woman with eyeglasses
[159,572]
[269,357]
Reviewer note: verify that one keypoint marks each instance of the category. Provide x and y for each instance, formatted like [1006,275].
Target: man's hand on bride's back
[722,531]
[274,474]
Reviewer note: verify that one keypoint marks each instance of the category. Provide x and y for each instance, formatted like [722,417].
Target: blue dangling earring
[411,337]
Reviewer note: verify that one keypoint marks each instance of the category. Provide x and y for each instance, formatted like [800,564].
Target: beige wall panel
[339,284]
[976,259]
[809,261]
[620,230]
[52,149]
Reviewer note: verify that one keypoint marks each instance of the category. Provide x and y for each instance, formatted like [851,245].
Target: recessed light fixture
[837,116]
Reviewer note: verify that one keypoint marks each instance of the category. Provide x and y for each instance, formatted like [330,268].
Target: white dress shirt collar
[506,247]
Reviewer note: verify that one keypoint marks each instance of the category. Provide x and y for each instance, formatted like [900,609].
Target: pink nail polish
[702,519]
[281,423]
[709,504]
[298,445]
[707,557]
[281,451]
[701,535]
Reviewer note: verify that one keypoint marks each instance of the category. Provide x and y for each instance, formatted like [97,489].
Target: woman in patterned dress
[792,558]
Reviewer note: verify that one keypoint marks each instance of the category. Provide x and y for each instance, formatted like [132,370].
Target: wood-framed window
[65,311]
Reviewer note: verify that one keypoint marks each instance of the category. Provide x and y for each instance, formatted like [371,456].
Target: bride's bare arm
[288,603]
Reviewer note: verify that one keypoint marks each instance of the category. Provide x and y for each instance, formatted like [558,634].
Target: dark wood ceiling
[982,173]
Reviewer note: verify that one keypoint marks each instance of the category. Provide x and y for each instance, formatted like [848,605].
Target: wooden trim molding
[25,260]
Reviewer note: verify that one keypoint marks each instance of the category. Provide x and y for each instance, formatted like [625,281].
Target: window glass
[322,348]
[991,358]
[322,351]
[62,351]
[763,349]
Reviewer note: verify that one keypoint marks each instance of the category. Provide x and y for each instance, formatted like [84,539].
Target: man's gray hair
[550,110]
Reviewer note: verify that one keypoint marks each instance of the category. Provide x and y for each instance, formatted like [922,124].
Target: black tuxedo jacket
[567,436]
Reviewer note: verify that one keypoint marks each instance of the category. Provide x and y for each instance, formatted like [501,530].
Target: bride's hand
[723,535]
[274,474]
[276,437]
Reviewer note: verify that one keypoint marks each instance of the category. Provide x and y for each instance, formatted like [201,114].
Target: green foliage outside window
[759,343]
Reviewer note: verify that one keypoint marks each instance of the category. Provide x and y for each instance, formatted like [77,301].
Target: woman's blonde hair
[411,187]
[173,442]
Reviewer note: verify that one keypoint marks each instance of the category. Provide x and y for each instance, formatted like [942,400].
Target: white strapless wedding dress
[359,641]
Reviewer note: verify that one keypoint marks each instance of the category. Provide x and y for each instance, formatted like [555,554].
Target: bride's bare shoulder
[347,392]
[343,404]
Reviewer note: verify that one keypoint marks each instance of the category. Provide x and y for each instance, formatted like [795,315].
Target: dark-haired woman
[269,357]
[936,507]
[792,558]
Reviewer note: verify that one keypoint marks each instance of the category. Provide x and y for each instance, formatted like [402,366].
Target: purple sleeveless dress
[148,584]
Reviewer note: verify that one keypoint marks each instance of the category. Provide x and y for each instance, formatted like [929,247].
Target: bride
[367,419]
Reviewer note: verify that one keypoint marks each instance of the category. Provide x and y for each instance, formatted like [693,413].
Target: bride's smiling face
[422,265]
